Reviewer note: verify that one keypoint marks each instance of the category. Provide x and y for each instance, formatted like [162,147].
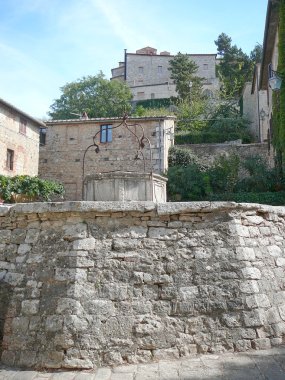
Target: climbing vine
[279,98]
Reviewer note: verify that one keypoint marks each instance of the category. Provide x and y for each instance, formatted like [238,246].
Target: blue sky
[46,43]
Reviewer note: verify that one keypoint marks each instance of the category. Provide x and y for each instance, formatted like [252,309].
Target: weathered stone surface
[97,283]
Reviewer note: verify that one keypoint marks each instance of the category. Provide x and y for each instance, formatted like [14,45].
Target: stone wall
[101,283]
[207,153]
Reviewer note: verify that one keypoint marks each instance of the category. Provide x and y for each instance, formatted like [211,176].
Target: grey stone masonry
[88,284]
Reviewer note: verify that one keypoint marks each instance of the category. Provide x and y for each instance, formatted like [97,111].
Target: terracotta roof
[39,123]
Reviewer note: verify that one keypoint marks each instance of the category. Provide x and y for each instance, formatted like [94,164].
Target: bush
[181,157]
[187,183]
[31,188]
[269,198]
[190,181]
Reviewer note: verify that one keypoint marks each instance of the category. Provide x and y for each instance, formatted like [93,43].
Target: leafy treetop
[95,95]
[183,71]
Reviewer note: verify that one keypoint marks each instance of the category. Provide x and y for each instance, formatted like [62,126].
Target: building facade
[75,149]
[255,108]
[148,76]
[270,58]
[19,141]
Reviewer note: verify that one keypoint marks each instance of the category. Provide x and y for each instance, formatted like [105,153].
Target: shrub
[32,188]
[181,157]
[270,198]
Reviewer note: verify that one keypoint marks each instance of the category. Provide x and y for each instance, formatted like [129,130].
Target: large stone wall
[95,283]
[207,153]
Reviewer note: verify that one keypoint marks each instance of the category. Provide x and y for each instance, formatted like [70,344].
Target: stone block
[254,318]
[254,219]
[280,261]
[274,251]
[261,344]
[276,342]
[84,244]
[188,293]
[272,315]
[166,354]
[242,345]
[70,274]
[24,248]
[32,236]
[281,309]
[73,232]
[123,245]
[249,287]
[245,253]
[279,298]
[30,307]
[278,329]
[5,236]
[251,273]
[54,323]
[257,300]
[231,320]
[18,236]
[20,325]
[68,306]
[161,233]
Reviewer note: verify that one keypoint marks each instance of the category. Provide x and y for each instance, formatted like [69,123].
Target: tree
[256,53]
[223,43]
[183,72]
[95,95]
[235,67]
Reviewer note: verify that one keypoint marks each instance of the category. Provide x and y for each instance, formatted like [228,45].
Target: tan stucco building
[65,156]
[147,73]
[19,141]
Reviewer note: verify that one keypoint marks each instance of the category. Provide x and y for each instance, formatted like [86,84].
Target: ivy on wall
[279,98]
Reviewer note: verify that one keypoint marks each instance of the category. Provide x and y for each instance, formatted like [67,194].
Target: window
[10,159]
[205,66]
[43,133]
[23,126]
[140,95]
[105,133]
[159,69]
[141,70]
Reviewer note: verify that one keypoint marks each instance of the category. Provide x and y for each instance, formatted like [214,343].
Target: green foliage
[278,98]
[228,175]
[181,157]
[187,183]
[258,176]
[224,173]
[30,187]
[151,112]
[235,67]
[183,70]
[269,198]
[191,115]
[154,103]
[94,95]
[225,124]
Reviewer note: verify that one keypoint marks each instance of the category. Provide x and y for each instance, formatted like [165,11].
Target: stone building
[270,57]
[255,108]
[65,155]
[148,76]
[19,141]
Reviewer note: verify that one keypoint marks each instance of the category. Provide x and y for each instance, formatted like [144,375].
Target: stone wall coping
[168,208]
